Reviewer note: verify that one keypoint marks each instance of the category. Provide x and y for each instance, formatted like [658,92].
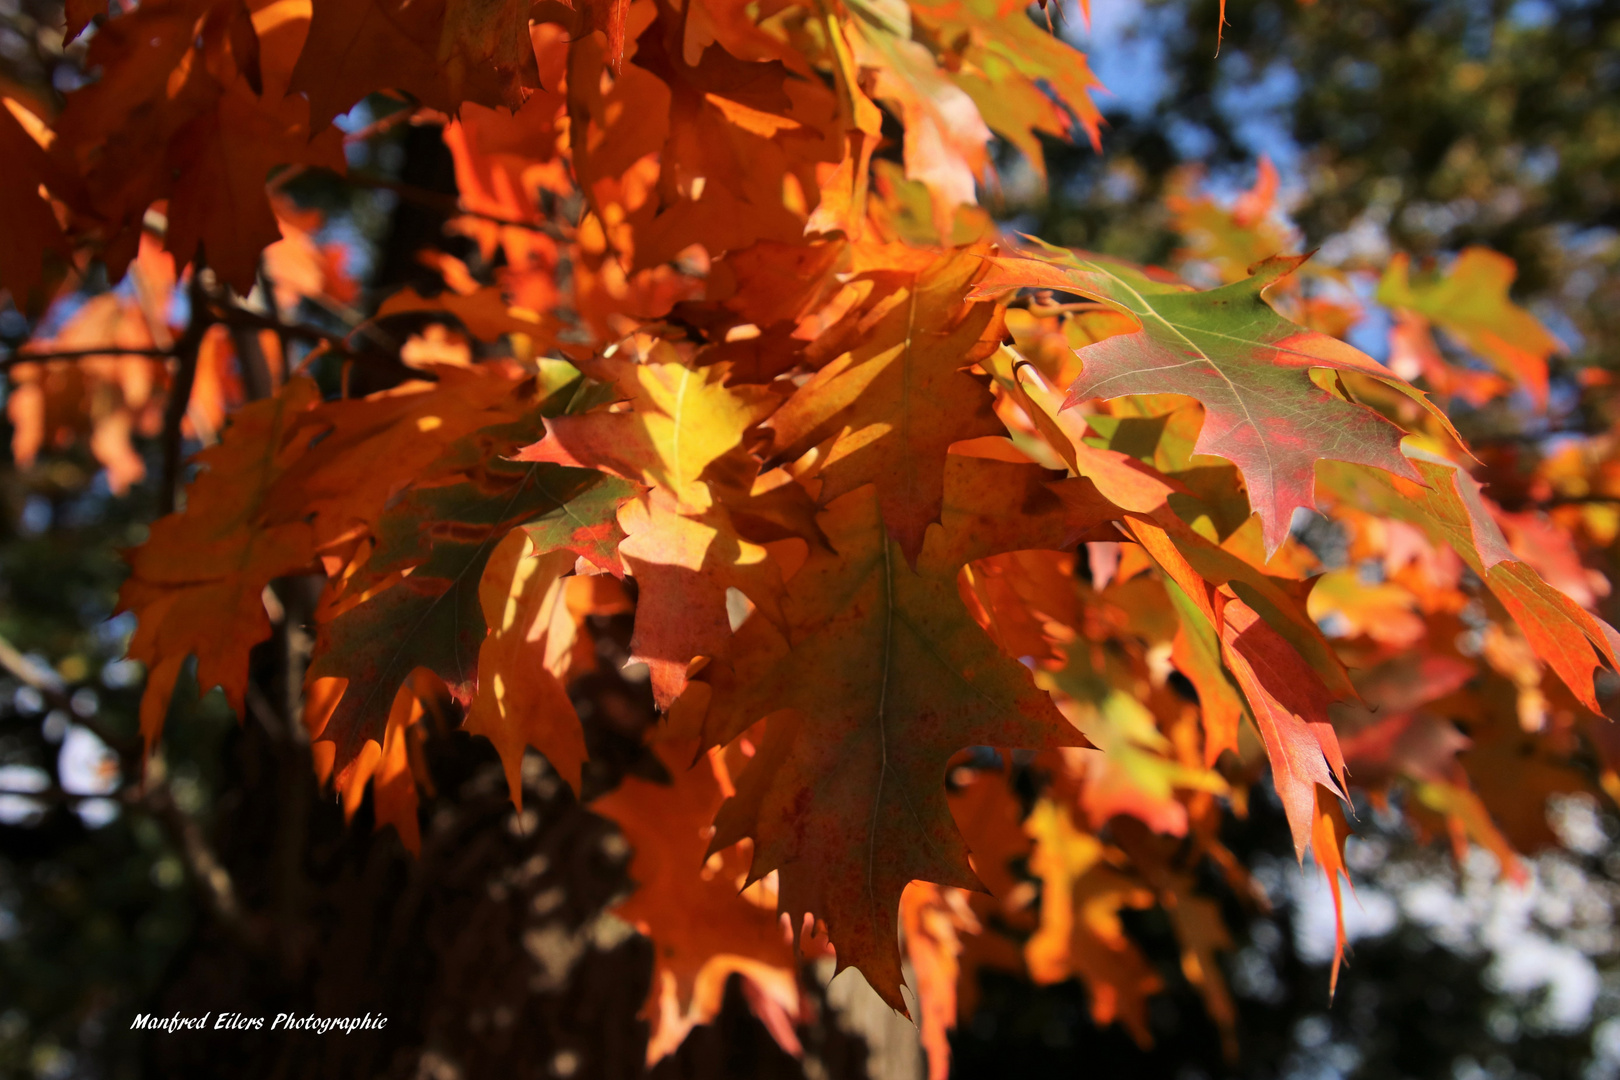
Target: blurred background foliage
[1415,125]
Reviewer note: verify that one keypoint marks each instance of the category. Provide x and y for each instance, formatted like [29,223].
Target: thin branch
[174,410]
[209,876]
[16,358]
[445,204]
[205,869]
[380,127]
[53,794]
[239,317]
[49,685]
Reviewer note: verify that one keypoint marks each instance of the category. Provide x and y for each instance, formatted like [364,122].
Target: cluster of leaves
[892,498]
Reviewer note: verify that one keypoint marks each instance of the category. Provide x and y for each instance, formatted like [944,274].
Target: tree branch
[50,687]
[174,410]
[16,358]
[446,204]
[53,794]
[238,317]
[209,876]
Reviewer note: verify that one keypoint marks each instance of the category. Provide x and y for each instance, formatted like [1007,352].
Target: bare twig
[154,798]
[236,316]
[51,687]
[380,127]
[209,876]
[52,794]
[174,410]
[444,203]
[16,358]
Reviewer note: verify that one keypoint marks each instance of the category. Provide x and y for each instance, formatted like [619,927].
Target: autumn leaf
[723,341]
[481,38]
[733,127]
[933,921]
[34,239]
[988,506]
[1328,833]
[365,452]
[1394,734]
[884,676]
[1196,919]
[586,526]
[1196,654]
[1450,508]
[1470,301]
[887,411]
[1248,366]
[680,421]
[1237,237]
[704,926]
[1081,933]
[110,399]
[426,49]
[684,566]
[196,586]
[1136,773]
[1196,565]
[1006,65]
[443,533]
[176,115]
[386,767]
[946,138]
[522,700]
[484,313]
[1290,707]
[608,17]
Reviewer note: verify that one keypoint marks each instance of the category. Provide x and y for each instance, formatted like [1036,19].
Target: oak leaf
[689,900]
[177,115]
[1081,933]
[1290,707]
[1025,80]
[880,677]
[1248,365]
[680,421]
[521,699]
[34,239]
[431,50]
[1328,833]
[108,399]
[440,536]
[365,452]
[196,586]
[1196,654]
[887,411]
[1450,508]
[933,921]
[946,140]
[684,567]
[1470,301]
[386,767]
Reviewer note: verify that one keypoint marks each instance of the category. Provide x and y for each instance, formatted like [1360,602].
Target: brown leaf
[887,411]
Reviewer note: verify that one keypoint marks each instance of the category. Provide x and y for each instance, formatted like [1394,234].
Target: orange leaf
[521,699]
[887,411]
[689,901]
[1328,832]
[878,676]
[1290,704]
[196,586]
